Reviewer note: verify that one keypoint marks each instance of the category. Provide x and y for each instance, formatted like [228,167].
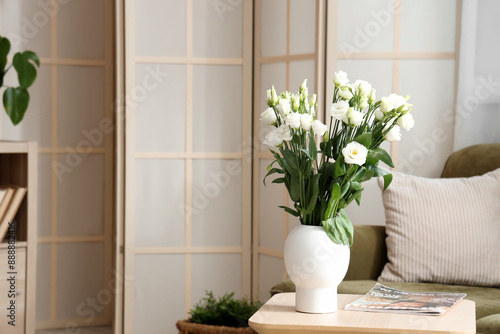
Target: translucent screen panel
[45,171]
[300,70]
[36,124]
[30,34]
[424,150]
[216,214]
[80,209]
[43,282]
[160,28]
[271,234]
[160,206]
[271,272]
[80,94]
[428,26]
[273,27]
[292,221]
[270,75]
[160,97]
[218,29]
[303,34]
[159,293]
[371,210]
[79,277]
[377,72]
[365,26]
[219,273]
[217,108]
[80,30]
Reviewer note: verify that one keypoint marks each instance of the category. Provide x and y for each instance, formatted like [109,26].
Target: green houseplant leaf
[24,63]
[15,101]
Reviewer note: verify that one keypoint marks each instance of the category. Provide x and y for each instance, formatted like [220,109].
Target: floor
[85,330]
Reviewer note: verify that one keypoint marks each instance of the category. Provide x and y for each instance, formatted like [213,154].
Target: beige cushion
[443,230]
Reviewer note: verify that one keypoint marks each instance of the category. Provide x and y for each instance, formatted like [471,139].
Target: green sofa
[369,252]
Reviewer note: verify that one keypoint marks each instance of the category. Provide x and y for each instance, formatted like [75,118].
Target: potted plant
[223,315]
[322,182]
[16,99]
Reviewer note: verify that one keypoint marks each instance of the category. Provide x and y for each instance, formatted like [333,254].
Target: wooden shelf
[18,165]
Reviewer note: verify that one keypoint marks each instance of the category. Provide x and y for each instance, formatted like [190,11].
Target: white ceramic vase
[316,265]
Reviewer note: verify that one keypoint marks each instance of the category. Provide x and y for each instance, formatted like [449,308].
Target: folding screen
[288,48]
[188,144]
[70,116]
[386,44]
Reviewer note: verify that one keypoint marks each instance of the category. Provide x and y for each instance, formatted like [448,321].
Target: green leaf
[331,230]
[306,152]
[335,191]
[315,192]
[313,150]
[290,211]
[339,167]
[15,101]
[4,51]
[279,180]
[377,171]
[364,139]
[294,189]
[380,154]
[30,55]
[345,188]
[387,180]
[348,226]
[26,71]
[272,171]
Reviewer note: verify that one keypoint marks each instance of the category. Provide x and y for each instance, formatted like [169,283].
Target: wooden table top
[278,315]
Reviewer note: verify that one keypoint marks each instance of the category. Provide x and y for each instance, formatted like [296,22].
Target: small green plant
[225,311]
[16,99]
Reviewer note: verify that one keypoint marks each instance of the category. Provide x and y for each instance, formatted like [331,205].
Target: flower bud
[295,103]
[372,96]
[272,98]
[303,86]
[285,95]
[312,101]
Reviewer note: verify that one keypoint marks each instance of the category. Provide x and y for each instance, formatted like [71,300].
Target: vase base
[316,300]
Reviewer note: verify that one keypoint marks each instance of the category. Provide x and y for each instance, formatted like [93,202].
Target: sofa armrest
[368,253]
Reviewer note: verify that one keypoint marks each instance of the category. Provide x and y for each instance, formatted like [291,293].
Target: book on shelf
[10,205]
[382,298]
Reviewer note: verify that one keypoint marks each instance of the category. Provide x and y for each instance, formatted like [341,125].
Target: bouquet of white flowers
[322,183]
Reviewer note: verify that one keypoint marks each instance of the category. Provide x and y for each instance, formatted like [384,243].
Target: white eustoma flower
[394,134]
[362,87]
[284,132]
[269,116]
[284,107]
[397,100]
[378,114]
[406,121]
[345,93]
[293,119]
[386,104]
[273,138]
[318,127]
[340,78]
[339,110]
[306,121]
[355,117]
[355,153]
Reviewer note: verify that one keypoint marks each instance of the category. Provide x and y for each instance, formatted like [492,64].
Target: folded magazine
[382,298]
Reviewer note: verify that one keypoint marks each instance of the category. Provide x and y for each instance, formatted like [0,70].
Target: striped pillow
[443,230]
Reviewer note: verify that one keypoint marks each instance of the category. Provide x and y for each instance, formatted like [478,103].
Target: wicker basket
[187,327]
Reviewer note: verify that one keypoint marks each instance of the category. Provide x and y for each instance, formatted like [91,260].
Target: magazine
[382,298]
